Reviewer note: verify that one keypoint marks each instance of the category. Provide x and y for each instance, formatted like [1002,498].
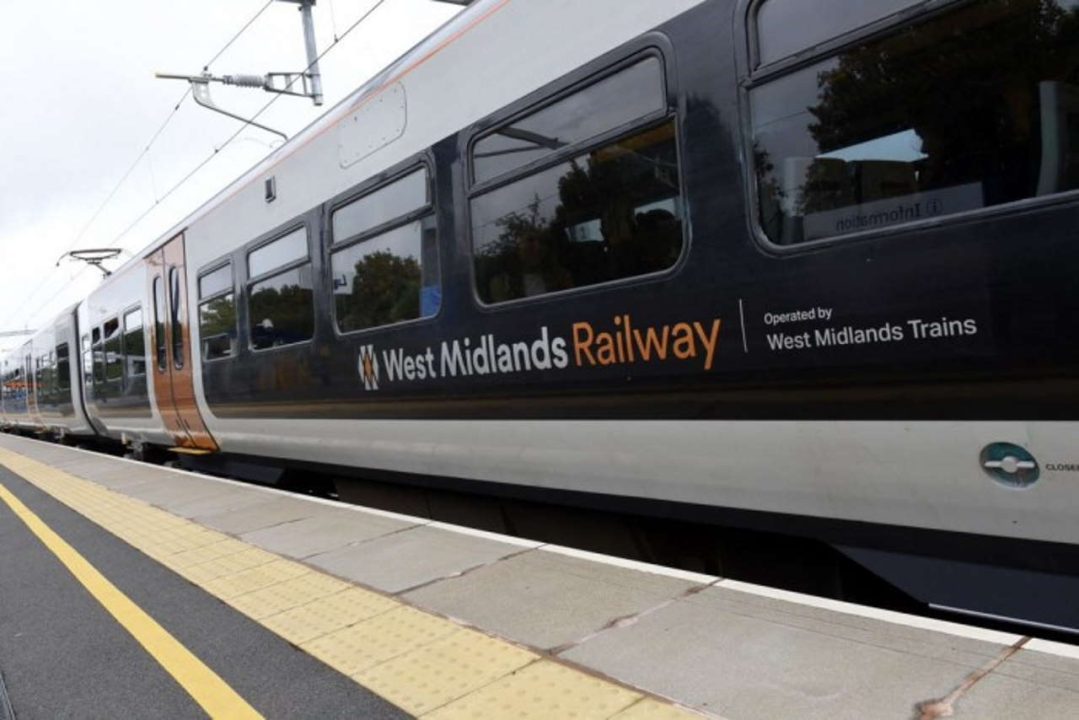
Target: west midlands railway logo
[369,367]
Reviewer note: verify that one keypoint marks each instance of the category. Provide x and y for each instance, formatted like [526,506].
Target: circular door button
[1010,465]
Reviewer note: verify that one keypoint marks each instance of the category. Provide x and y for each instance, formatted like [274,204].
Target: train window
[134,344]
[282,309]
[49,363]
[612,213]
[216,281]
[87,362]
[39,378]
[63,368]
[382,206]
[114,356]
[628,95]
[787,27]
[862,140]
[160,343]
[176,308]
[282,251]
[217,327]
[217,314]
[99,357]
[389,278]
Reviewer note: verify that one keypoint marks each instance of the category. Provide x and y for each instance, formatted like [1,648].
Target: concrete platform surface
[450,622]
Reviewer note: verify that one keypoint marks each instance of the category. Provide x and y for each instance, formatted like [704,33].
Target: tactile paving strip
[429,666]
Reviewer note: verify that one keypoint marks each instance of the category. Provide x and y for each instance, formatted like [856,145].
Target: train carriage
[800,270]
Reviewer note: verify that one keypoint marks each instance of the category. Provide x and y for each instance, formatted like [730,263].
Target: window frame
[118,337]
[292,227]
[650,45]
[250,280]
[753,75]
[200,301]
[838,43]
[86,359]
[62,378]
[160,324]
[98,346]
[137,307]
[424,162]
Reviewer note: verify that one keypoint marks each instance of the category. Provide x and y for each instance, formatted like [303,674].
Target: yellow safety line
[201,683]
[427,665]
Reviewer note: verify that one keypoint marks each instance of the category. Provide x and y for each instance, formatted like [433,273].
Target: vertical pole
[312,52]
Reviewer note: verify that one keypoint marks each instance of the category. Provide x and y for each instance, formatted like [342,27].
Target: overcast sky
[80,103]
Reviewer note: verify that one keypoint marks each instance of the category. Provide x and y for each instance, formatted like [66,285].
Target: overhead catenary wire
[229,140]
[131,168]
[235,37]
[247,123]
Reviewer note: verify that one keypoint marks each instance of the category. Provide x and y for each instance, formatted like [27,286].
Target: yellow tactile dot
[256,578]
[649,709]
[207,553]
[328,614]
[287,595]
[231,564]
[541,691]
[444,670]
[379,639]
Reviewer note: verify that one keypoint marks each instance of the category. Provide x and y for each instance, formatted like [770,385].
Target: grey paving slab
[229,497]
[548,600]
[753,658]
[76,464]
[118,477]
[1028,686]
[177,491]
[410,558]
[274,510]
[327,529]
[115,467]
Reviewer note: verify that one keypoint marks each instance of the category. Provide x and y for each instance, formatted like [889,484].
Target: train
[808,268]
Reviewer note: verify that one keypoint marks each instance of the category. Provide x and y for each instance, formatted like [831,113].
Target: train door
[170,332]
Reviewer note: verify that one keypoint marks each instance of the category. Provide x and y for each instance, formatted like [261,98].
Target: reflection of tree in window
[526,254]
[611,214]
[282,311]
[217,327]
[947,103]
[385,290]
[968,86]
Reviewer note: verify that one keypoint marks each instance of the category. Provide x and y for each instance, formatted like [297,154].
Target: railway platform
[132,589]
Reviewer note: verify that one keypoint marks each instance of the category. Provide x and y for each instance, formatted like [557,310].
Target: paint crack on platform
[946,707]
[461,573]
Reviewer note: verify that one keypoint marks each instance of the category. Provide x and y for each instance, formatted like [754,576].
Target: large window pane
[63,370]
[280,252]
[134,344]
[87,362]
[99,362]
[398,199]
[176,307]
[613,213]
[161,348]
[114,356]
[283,309]
[387,279]
[970,109]
[786,27]
[217,327]
[612,102]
